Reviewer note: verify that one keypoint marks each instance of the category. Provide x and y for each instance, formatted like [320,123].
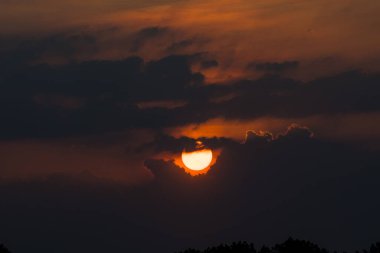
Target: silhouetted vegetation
[3,249]
[289,246]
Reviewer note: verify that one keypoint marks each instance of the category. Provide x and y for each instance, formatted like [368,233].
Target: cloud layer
[264,190]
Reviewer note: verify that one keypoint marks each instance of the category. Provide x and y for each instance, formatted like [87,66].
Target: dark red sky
[99,98]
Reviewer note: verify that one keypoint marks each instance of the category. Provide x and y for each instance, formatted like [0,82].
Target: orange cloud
[326,37]
[360,127]
[102,158]
[238,32]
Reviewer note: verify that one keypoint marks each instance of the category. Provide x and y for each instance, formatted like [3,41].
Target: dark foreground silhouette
[3,249]
[289,246]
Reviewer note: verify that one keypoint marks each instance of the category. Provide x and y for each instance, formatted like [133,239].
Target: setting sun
[197,160]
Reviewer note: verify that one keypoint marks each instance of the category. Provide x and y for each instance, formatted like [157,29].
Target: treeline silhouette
[3,249]
[289,246]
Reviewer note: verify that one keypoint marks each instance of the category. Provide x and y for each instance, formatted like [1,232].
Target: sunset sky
[99,100]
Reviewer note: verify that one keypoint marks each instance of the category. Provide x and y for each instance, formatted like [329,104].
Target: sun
[197,160]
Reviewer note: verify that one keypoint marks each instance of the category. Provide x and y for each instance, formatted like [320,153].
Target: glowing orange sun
[197,160]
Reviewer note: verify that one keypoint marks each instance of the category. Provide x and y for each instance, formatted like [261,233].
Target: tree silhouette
[3,249]
[265,249]
[297,246]
[289,246]
[375,248]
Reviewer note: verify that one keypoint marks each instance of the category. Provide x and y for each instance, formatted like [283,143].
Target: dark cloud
[147,34]
[91,97]
[209,64]
[297,132]
[258,137]
[163,143]
[293,177]
[101,96]
[273,67]
[261,191]
[176,46]
[61,46]
[106,93]
[272,96]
